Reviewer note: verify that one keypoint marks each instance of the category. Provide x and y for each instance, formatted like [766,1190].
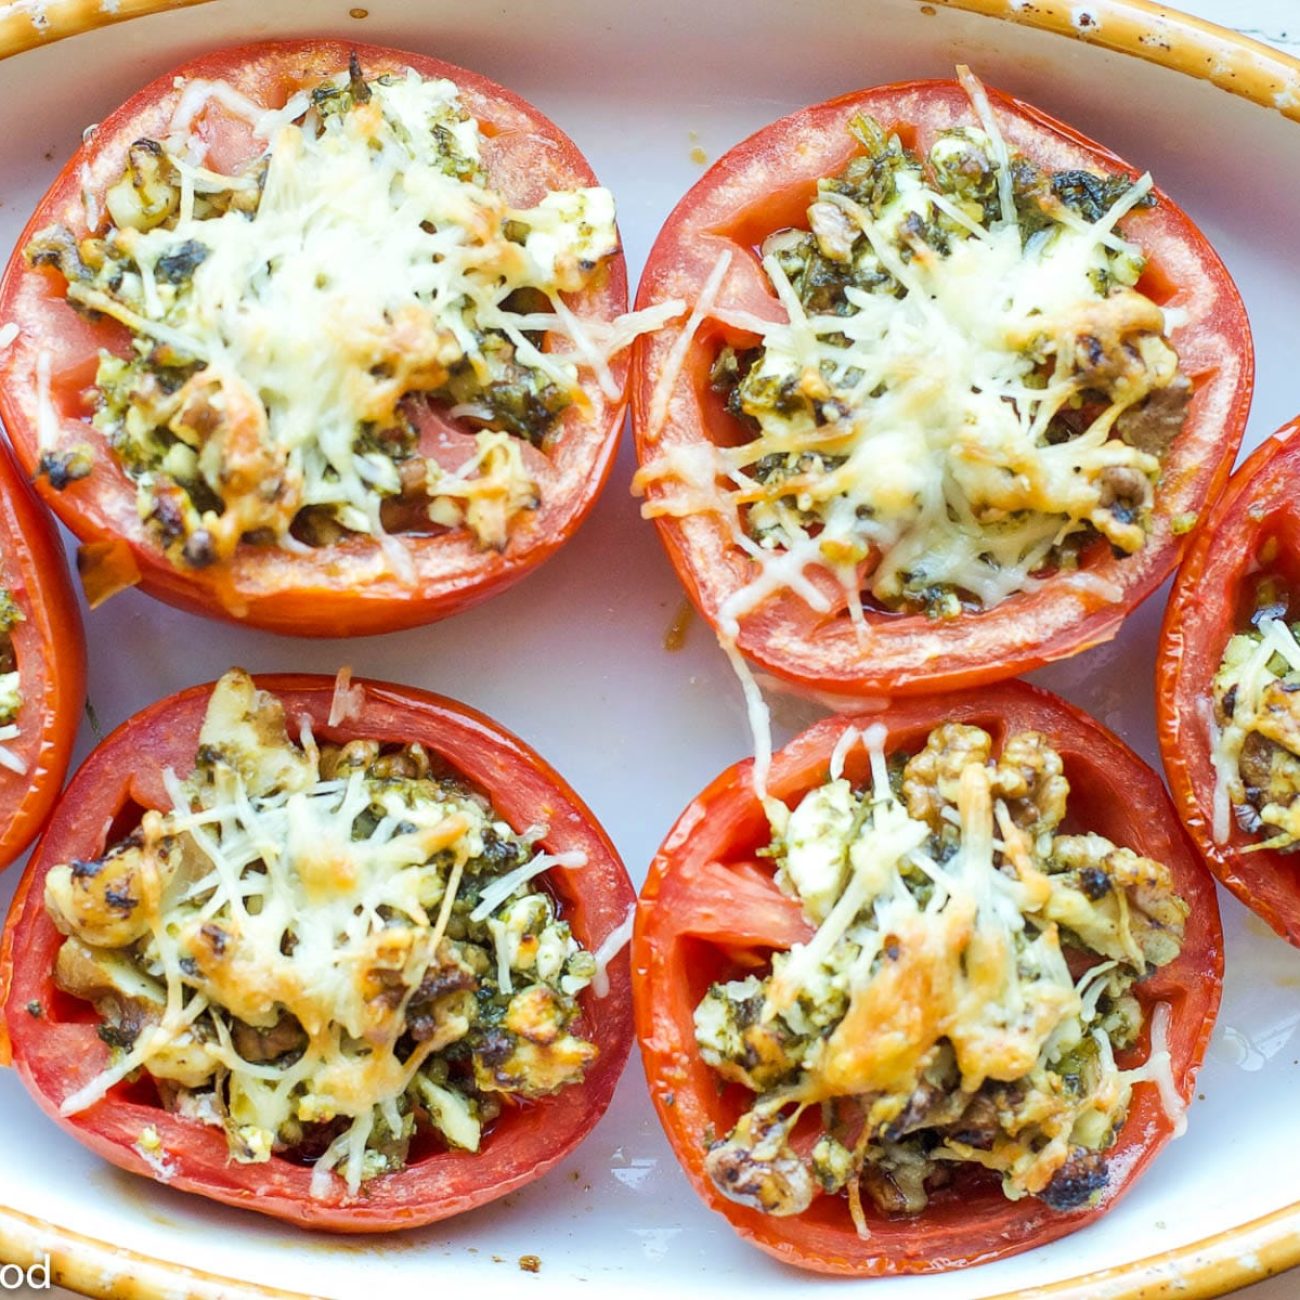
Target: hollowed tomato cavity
[1082,593]
[787,209]
[141,1088]
[712,913]
[1243,566]
[1268,579]
[57,1048]
[1155,282]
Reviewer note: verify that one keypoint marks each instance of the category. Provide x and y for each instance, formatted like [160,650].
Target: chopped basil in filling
[970,388]
[284,317]
[1256,752]
[969,981]
[323,951]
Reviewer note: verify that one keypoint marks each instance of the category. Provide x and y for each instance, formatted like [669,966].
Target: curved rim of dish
[1142,28]
[1237,1257]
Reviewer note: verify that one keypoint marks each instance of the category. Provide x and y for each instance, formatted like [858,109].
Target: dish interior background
[573,659]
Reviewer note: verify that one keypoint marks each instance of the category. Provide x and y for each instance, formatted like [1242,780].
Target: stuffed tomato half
[937,998]
[320,337]
[343,953]
[1228,686]
[42,663]
[955,382]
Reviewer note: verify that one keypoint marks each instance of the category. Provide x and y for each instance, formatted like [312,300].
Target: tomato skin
[347,589]
[51,649]
[54,1055]
[696,871]
[766,183]
[1200,618]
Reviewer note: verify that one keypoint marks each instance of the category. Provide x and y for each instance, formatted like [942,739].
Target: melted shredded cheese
[11,686]
[363,258]
[347,701]
[909,439]
[1254,711]
[843,748]
[934,995]
[499,890]
[704,305]
[288,957]
[614,943]
[1158,1069]
[8,759]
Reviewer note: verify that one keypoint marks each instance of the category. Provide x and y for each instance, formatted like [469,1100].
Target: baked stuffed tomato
[955,381]
[944,1001]
[1227,682]
[42,664]
[359,980]
[320,337]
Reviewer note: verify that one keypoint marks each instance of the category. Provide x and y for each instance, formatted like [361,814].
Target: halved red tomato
[765,185]
[1252,535]
[50,652]
[54,1039]
[710,911]
[352,586]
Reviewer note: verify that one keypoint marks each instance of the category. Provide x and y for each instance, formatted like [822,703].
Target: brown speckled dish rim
[1214,1266]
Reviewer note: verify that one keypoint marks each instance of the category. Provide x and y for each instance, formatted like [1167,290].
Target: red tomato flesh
[345,589]
[59,1050]
[1253,532]
[51,651]
[765,184]
[708,913]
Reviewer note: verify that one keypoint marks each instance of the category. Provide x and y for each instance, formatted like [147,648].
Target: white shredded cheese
[47,418]
[314,907]
[377,264]
[613,944]
[8,759]
[910,428]
[501,889]
[1158,1069]
[347,702]
[843,748]
[667,381]
[1246,675]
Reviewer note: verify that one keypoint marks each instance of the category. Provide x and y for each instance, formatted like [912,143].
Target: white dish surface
[573,658]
